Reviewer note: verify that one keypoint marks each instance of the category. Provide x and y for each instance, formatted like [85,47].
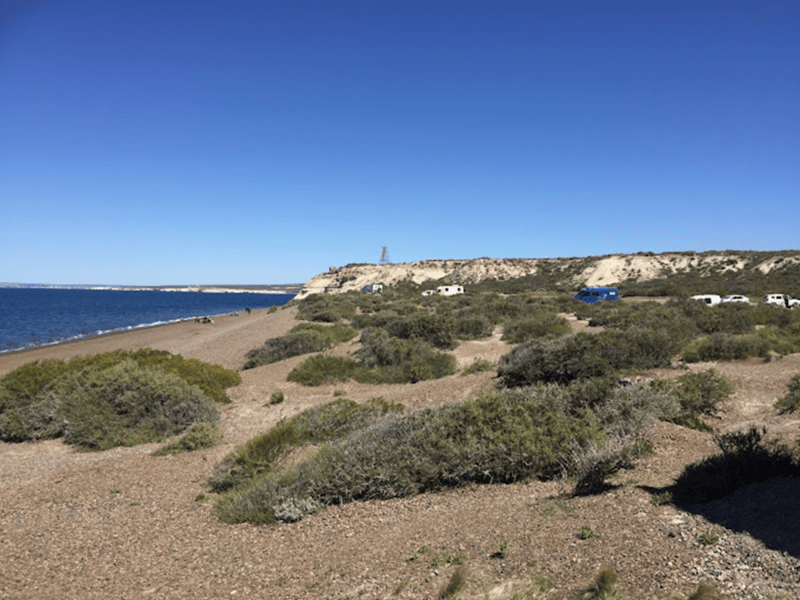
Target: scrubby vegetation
[381,359]
[111,399]
[302,339]
[200,436]
[502,436]
[791,401]
[699,394]
[314,426]
[559,409]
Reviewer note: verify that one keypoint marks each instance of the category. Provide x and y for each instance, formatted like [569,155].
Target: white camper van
[710,299]
[449,290]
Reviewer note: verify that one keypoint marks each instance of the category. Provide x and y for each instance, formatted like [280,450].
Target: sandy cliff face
[593,270]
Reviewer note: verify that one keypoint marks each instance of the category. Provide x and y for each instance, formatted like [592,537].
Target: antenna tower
[385,256]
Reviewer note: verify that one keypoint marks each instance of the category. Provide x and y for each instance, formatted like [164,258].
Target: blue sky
[170,141]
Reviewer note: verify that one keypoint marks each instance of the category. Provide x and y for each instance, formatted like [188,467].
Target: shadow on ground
[767,510]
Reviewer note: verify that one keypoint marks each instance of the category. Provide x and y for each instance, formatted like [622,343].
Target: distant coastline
[288,288]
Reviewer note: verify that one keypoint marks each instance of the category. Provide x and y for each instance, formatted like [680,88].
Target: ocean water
[38,316]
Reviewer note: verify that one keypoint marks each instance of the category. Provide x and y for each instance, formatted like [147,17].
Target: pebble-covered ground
[125,524]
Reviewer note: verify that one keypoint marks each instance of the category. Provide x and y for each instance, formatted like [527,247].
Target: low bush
[473,327]
[638,347]
[313,426]
[381,359]
[484,440]
[500,437]
[592,466]
[316,370]
[302,339]
[725,346]
[436,329]
[560,360]
[200,436]
[603,587]
[126,405]
[329,308]
[534,326]
[479,365]
[744,460]
[791,401]
[583,356]
[31,396]
[699,394]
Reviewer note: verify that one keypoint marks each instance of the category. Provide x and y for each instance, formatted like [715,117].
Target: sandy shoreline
[187,338]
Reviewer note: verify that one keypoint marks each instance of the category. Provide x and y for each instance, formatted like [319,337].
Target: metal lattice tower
[385,256]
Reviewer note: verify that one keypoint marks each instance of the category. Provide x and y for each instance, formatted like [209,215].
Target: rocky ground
[125,524]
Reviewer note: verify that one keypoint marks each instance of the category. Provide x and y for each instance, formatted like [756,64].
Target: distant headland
[287,288]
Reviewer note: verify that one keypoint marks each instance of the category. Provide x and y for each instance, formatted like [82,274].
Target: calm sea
[39,316]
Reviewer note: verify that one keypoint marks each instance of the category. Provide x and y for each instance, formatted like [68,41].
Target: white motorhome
[710,299]
[449,290]
[780,300]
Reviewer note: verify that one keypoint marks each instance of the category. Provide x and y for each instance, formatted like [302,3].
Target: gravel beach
[125,524]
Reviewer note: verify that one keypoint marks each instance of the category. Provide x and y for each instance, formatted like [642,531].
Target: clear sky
[171,141]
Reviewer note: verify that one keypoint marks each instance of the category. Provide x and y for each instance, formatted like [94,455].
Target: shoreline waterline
[176,338]
[102,333]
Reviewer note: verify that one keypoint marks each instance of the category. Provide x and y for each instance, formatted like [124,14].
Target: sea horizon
[34,316]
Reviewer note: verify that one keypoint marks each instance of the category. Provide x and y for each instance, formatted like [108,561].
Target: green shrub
[501,437]
[316,370]
[456,583]
[559,360]
[479,365]
[791,401]
[315,425]
[707,539]
[126,405]
[200,436]
[254,457]
[329,308]
[210,378]
[725,346]
[302,339]
[534,326]
[701,392]
[498,437]
[638,347]
[436,329]
[30,409]
[727,318]
[276,397]
[744,460]
[382,359]
[473,327]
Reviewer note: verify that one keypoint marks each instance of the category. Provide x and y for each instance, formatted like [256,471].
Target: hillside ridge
[609,269]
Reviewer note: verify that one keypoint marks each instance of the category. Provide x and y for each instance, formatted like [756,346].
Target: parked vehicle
[449,290]
[710,299]
[596,294]
[780,300]
[373,288]
[736,298]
